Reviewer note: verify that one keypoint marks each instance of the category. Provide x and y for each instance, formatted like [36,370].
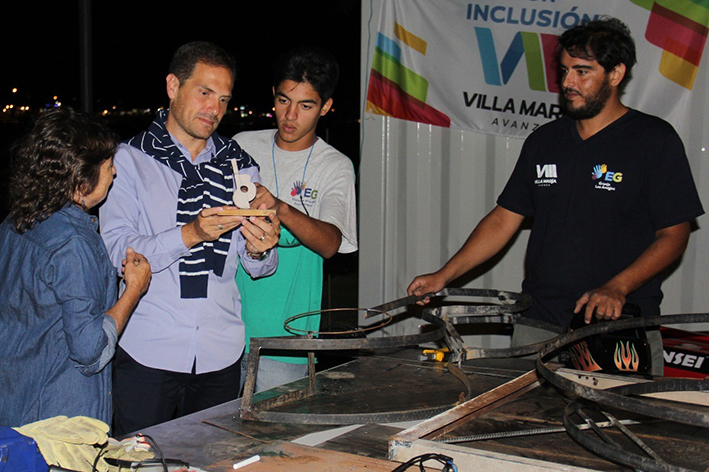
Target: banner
[491,66]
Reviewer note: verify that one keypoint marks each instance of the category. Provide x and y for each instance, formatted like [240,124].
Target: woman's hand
[136,275]
[136,272]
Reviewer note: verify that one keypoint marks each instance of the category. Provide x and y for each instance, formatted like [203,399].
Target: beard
[593,104]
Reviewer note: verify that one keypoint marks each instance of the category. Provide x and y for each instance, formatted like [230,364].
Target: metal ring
[263,236]
[220,227]
[369,312]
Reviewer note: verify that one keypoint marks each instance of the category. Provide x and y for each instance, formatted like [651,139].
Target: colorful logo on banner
[394,89]
[539,51]
[492,66]
[680,29]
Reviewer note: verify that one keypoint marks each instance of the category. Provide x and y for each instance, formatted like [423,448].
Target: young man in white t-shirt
[310,185]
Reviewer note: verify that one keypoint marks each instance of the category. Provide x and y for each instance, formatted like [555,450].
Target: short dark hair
[188,55]
[606,40]
[62,153]
[310,64]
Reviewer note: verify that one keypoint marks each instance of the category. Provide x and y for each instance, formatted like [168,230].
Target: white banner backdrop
[491,66]
[423,187]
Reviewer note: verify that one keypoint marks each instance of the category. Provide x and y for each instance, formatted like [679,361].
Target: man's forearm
[487,239]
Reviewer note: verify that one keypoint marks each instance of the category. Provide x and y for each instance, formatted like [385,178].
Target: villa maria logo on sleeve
[606,179]
[546,175]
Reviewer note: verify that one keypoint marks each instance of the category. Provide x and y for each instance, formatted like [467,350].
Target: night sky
[134,40]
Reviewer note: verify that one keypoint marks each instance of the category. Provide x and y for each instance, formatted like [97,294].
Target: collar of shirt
[75,213]
[205,155]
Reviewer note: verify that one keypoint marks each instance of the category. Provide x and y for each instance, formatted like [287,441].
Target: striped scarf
[206,185]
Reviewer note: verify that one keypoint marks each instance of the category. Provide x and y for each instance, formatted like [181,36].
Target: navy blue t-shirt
[596,205]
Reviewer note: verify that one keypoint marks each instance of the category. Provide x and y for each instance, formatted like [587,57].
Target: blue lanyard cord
[305,168]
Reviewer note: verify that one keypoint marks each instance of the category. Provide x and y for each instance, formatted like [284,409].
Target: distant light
[242,107]
[14,90]
[105,112]
[55,97]
[704,149]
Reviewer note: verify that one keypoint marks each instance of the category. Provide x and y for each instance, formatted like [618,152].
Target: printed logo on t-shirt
[607,179]
[300,191]
[546,175]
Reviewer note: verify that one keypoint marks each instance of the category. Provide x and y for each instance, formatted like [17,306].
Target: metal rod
[638,442]
[527,432]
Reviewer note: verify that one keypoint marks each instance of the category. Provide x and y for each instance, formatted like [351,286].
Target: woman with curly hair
[59,312]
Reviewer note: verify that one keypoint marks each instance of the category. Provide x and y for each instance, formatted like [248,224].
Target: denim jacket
[56,284]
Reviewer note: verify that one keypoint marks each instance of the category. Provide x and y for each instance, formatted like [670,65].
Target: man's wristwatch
[259,256]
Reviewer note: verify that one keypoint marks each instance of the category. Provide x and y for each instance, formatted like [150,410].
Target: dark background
[132,43]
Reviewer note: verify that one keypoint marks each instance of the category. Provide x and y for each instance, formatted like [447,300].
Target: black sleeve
[517,194]
[672,194]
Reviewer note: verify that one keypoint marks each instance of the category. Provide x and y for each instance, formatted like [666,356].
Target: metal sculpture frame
[441,318]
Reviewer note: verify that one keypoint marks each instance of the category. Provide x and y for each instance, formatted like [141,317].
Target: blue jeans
[272,373]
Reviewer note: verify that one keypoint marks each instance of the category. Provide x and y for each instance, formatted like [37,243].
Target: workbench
[216,438]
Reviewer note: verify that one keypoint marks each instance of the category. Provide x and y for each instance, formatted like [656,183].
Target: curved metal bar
[460,375]
[458,314]
[662,385]
[610,397]
[521,301]
[342,418]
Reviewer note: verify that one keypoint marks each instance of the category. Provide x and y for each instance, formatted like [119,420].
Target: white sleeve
[338,205]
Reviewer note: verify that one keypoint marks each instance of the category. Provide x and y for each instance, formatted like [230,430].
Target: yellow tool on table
[433,354]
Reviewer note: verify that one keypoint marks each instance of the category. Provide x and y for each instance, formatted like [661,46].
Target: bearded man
[610,192]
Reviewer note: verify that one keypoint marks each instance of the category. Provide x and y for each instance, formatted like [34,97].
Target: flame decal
[582,358]
[626,357]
